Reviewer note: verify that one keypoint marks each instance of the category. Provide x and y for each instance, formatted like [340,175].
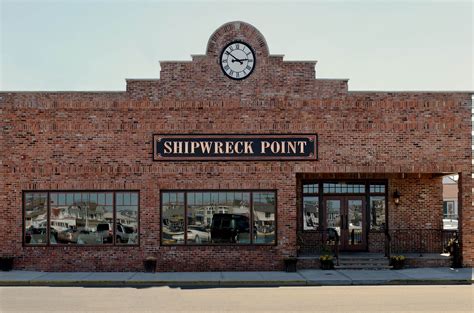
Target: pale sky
[96,45]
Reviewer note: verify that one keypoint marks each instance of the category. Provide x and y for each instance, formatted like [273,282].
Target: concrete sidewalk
[426,276]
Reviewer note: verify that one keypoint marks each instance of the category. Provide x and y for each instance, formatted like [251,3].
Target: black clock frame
[254,59]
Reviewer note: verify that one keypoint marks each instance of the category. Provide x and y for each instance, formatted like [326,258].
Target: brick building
[170,168]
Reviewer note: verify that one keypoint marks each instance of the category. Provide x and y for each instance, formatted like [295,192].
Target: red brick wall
[83,140]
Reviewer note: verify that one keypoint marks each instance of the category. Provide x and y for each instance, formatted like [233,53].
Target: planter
[6,263]
[290,265]
[397,262]
[398,265]
[150,265]
[327,265]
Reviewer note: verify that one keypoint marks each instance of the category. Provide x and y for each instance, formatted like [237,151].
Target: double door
[346,214]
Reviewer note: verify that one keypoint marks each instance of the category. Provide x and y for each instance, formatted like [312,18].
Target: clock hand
[239,60]
[235,59]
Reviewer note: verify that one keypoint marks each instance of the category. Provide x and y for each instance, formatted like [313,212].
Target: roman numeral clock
[237,60]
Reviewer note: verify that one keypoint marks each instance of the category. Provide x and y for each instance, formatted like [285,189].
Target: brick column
[466,218]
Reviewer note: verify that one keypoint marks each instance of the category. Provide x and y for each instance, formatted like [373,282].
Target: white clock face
[237,60]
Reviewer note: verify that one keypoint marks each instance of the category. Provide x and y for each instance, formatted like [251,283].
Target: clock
[237,60]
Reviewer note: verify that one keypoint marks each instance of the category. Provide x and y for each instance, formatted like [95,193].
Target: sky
[96,45]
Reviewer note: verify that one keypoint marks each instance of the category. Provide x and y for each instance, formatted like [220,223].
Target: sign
[297,147]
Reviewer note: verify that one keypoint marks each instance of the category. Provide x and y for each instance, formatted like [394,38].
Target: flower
[398,258]
[325,258]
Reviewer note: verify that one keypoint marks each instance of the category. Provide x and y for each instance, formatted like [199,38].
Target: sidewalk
[425,276]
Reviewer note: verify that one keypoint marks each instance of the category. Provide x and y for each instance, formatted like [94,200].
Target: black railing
[319,242]
[398,241]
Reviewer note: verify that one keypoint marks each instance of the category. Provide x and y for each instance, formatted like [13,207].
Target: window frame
[250,244]
[48,210]
[447,202]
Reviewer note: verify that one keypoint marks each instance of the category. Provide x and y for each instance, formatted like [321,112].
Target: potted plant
[6,263]
[150,264]
[327,262]
[290,264]
[397,261]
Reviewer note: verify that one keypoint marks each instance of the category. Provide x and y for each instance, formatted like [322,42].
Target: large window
[218,217]
[81,218]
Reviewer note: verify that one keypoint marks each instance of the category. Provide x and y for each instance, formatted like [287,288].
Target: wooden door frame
[344,212]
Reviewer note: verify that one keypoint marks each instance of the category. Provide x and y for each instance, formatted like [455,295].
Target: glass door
[346,214]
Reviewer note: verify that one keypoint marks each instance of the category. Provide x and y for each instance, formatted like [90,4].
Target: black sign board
[232,147]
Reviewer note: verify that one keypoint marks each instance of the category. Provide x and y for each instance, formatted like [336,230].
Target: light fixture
[396,197]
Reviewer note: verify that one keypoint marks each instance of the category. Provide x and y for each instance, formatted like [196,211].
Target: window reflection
[36,220]
[310,213]
[377,212]
[81,218]
[126,218]
[217,217]
[264,208]
[172,218]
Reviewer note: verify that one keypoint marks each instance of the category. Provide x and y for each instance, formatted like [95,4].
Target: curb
[123,283]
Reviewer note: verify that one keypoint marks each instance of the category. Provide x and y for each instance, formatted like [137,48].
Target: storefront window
[36,220]
[172,218]
[84,218]
[219,217]
[126,218]
[377,212]
[264,217]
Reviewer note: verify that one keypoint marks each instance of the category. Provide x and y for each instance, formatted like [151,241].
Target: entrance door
[346,214]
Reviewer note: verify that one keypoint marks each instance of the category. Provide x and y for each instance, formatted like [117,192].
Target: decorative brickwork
[103,140]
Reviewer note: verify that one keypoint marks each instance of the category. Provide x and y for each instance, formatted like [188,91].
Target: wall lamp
[396,197]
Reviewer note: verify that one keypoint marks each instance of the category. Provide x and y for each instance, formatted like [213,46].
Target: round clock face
[237,60]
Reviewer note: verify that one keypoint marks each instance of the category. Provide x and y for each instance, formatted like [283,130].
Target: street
[265,299]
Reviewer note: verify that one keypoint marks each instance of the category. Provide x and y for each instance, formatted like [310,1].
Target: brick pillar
[466,218]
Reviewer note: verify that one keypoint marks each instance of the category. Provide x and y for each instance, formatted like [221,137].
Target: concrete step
[364,260]
[362,267]
[369,263]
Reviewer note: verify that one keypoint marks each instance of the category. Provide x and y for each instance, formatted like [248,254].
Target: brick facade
[103,141]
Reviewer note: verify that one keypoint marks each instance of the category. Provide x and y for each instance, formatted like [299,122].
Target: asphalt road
[351,299]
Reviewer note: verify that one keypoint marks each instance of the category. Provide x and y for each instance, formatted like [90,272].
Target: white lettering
[168,148]
[291,147]
[248,147]
[194,146]
[265,145]
[206,147]
[229,147]
[275,147]
[218,148]
[302,144]
[236,147]
[177,147]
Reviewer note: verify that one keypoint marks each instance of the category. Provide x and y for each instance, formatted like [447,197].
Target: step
[362,267]
[368,263]
[364,261]
[363,264]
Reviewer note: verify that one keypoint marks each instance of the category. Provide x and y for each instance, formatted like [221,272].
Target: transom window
[218,217]
[81,218]
[343,188]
